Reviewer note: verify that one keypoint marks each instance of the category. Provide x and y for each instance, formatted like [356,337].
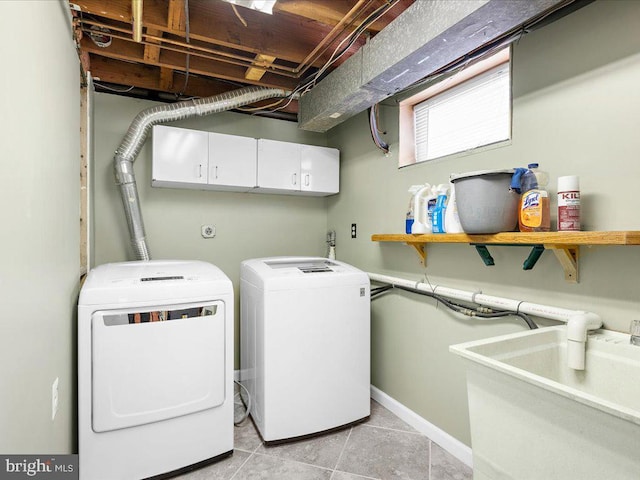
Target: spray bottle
[437,221]
[451,220]
[410,212]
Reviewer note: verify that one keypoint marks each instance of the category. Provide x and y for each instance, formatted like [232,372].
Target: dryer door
[156,363]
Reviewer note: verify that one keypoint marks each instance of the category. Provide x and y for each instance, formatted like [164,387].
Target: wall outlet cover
[208,231]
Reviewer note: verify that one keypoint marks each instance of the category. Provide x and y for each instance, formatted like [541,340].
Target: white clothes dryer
[155,369]
[305,344]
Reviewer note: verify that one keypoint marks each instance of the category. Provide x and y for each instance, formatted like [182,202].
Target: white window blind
[470,115]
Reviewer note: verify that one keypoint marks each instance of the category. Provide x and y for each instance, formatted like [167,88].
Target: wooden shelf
[565,245]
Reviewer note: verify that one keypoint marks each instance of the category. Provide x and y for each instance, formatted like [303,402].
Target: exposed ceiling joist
[188,46]
[129,51]
[266,34]
[143,77]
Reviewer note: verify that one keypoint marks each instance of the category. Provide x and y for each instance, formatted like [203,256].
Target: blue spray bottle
[440,209]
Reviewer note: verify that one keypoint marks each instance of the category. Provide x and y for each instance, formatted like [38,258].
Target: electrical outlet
[354,231]
[208,231]
[54,399]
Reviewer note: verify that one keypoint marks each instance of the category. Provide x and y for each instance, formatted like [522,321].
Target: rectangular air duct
[426,37]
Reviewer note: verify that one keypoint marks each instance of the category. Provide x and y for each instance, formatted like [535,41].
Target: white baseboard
[450,444]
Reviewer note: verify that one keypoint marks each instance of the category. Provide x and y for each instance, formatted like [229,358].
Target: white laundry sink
[532,417]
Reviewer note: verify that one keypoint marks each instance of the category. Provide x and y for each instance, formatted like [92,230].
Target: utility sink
[532,417]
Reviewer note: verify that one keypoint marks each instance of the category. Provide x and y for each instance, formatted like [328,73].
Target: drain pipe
[578,322]
[138,131]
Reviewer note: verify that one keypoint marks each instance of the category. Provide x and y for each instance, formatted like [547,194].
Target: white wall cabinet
[319,169]
[180,157]
[232,162]
[184,158]
[278,166]
[293,168]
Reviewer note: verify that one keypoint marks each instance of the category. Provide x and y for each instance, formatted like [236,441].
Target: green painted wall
[39,207]
[576,111]
[248,225]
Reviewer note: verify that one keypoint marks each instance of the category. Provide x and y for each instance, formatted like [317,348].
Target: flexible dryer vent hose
[138,131]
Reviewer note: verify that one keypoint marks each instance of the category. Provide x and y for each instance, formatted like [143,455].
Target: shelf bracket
[533,257]
[421,248]
[529,263]
[568,256]
[483,251]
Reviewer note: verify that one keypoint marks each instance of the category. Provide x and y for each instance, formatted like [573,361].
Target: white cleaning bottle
[421,223]
[451,220]
[410,212]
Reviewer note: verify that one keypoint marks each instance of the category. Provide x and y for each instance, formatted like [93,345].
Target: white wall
[248,225]
[39,207]
[576,111]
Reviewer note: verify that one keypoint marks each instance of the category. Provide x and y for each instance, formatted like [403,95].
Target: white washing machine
[305,348]
[155,369]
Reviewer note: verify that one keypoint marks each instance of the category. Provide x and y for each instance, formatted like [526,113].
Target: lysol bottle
[533,213]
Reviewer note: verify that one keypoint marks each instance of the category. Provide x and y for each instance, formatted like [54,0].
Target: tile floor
[383,448]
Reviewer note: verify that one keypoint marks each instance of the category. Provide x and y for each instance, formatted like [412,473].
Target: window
[469,110]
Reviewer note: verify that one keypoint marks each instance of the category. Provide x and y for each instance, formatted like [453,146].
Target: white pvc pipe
[578,322]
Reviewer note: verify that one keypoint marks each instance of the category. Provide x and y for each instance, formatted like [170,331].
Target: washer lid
[287,273]
[311,265]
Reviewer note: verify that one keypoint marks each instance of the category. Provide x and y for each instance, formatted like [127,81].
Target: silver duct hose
[137,133]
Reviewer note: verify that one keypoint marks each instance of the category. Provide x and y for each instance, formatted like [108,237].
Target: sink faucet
[577,327]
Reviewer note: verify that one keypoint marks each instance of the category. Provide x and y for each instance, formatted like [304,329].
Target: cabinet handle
[306,180]
[294,180]
[200,171]
[216,172]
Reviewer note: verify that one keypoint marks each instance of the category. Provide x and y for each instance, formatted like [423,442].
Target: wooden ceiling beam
[275,35]
[331,12]
[166,79]
[176,19]
[152,52]
[150,78]
[129,51]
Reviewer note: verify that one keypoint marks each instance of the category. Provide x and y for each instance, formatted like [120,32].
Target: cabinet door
[180,157]
[232,162]
[319,170]
[278,166]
